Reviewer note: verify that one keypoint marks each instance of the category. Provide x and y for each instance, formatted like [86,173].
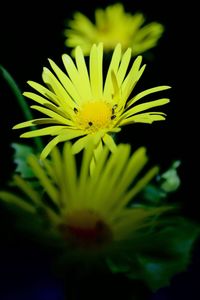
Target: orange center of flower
[85,229]
[94,116]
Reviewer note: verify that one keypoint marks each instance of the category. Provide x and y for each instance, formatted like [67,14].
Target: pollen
[85,229]
[94,116]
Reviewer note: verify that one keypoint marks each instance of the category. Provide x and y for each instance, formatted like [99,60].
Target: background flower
[99,219]
[112,26]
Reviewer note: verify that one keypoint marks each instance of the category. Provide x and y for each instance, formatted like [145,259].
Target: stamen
[113,108]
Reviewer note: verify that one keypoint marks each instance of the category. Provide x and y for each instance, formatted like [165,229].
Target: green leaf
[171,253]
[170,180]
[153,194]
[20,159]
[161,255]
[156,192]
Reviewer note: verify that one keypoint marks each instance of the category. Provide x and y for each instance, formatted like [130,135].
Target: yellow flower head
[90,212]
[112,26]
[80,104]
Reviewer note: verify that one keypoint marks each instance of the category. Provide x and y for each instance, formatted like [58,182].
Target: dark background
[31,32]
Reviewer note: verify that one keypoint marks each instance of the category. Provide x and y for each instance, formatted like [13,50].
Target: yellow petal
[148,117]
[43,178]
[137,188]
[114,64]
[60,138]
[52,114]
[27,189]
[67,84]
[44,91]
[70,174]
[50,130]
[108,140]
[147,92]
[63,97]
[96,72]
[13,199]
[24,124]
[83,72]
[132,78]
[144,106]
[80,144]
[75,77]
[123,66]
[36,98]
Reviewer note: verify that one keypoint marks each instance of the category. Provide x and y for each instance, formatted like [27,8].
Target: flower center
[85,229]
[95,115]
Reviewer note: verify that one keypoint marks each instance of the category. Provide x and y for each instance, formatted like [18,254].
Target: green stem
[22,102]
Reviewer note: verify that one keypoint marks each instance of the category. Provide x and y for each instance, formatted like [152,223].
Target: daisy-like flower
[91,213]
[100,220]
[79,104]
[112,26]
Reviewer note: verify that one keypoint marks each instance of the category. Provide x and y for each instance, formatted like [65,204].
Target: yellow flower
[79,104]
[113,26]
[90,212]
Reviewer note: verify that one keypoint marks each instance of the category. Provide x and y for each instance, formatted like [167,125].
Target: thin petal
[148,117]
[75,78]
[70,175]
[132,78]
[80,144]
[113,178]
[25,124]
[63,97]
[114,64]
[27,189]
[135,219]
[58,139]
[102,186]
[147,92]
[85,171]
[96,72]
[52,114]
[96,174]
[37,98]
[45,121]
[137,188]
[133,167]
[124,66]
[108,140]
[50,130]
[144,106]
[82,69]
[43,178]
[44,91]
[13,199]
[67,84]
[97,153]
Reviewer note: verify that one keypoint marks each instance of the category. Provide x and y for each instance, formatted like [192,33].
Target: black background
[31,32]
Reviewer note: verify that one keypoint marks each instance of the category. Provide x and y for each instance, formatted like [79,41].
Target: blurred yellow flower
[89,211]
[112,26]
[79,104]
